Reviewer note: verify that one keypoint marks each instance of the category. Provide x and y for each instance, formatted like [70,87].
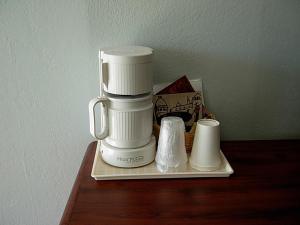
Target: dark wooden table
[265,189]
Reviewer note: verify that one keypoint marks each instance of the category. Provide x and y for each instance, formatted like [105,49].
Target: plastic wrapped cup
[205,154]
[171,154]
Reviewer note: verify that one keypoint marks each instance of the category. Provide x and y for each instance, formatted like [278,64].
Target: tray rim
[175,175]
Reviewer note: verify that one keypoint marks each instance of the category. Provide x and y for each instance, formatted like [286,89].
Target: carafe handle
[104,123]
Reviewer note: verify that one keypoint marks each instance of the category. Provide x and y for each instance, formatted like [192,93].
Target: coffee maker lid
[127,54]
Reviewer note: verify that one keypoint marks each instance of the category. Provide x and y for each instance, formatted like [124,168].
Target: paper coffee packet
[187,103]
[187,106]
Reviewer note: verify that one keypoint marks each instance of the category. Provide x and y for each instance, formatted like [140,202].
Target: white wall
[247,53]
[47,78]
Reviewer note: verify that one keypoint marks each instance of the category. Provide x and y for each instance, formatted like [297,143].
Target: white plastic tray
[103,171]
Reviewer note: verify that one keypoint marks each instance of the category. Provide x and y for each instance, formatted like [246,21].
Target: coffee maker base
[128,157]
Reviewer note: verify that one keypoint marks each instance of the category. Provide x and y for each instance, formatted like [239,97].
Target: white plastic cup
[171,153]
[205,154]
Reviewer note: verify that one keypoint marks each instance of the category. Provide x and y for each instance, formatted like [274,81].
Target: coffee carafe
[126,109]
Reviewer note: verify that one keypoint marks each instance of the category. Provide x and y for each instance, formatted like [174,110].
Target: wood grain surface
[263,190]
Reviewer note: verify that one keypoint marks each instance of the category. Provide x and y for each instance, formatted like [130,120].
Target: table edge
[73,194]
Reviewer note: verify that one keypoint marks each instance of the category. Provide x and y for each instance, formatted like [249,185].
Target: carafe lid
[127,54]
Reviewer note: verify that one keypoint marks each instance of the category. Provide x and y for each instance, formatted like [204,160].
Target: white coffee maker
[126,112]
